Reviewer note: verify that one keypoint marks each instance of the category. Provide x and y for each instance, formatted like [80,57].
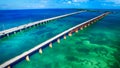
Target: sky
[40,4]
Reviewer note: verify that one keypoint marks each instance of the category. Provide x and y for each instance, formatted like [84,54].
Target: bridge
[38,48]
[22,27]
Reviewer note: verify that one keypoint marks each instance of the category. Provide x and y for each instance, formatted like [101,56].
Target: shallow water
[97,46]
[25,40]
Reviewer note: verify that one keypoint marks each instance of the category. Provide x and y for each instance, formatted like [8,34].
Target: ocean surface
[97,46]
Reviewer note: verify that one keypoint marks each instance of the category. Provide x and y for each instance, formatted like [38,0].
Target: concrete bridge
[38,48]
[23,27]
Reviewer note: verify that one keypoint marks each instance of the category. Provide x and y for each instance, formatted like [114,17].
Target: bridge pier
[43,23]
[70,34]
[88,24]
[92,22]
[47,21]
[20,30]
[50,45]
[76,30]
[14,32]
[37,24]
[9,67]
[27,58]
[81,28]
[58,40]
[40,51]
[85,25]
[64,37]
[7,35]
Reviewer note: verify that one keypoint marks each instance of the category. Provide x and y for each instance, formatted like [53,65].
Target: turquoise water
[25,40]
[97,46]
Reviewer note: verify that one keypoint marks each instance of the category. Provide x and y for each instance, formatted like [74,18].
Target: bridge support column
[43,23]
[85,26]
[8,35]
[14,32]
[64,37]
[58,40]
[88,24]
[50,45]
[81,28]
[92,22]
[8,66]
[27,58]
[70,34]
[76,30]
[40,51]
[38,24]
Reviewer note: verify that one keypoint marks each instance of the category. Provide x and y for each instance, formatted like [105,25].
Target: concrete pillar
[37,24]
[58,40]
[40,23]
[88,24]
[76,30]
[70,34]
[20,30]
[8,66]
[94,20]
[81,28]
[50,45]
[85,26]
[14,32]
[27,58]
[64,37]
[44,22]
[40,51]
[7,34]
